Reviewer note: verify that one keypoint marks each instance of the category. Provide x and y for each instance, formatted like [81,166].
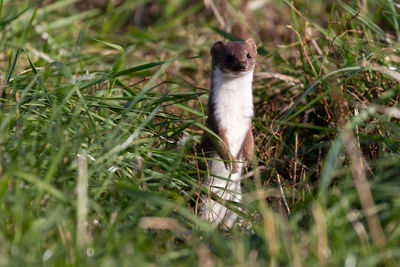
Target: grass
[102,106]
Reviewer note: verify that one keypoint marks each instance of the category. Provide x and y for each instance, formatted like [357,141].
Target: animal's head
[235,58]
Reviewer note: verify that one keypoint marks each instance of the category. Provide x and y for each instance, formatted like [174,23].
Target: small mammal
[230,108]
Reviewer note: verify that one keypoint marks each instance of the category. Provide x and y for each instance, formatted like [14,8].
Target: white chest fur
[233,99]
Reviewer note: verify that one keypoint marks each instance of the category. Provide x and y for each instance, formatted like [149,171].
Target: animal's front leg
[248,146]
[224,152]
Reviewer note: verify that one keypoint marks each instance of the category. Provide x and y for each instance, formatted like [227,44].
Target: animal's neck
[225,81]
[233,92]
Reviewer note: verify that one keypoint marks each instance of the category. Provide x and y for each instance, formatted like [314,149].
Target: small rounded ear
[216,48]
[252,44]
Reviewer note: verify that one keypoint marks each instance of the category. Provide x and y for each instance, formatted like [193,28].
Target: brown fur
[234,56]
[248,146]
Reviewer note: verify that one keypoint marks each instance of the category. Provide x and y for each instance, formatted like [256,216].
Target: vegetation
[103,102]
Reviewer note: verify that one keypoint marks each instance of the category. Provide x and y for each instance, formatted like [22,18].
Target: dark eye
[248,55]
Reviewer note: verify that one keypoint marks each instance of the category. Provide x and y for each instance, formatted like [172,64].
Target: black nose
[235,63]
[239,66]
[243,64]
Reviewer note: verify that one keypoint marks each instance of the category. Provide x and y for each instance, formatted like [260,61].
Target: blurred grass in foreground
[101,105]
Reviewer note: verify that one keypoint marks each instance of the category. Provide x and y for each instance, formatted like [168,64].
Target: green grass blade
[13,64]
[7,21]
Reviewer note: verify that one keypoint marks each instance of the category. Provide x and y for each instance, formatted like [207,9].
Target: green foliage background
[102,103]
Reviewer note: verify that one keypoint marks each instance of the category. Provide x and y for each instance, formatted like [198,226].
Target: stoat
[230,108]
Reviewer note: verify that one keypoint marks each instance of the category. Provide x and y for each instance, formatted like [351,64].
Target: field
[103,104]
